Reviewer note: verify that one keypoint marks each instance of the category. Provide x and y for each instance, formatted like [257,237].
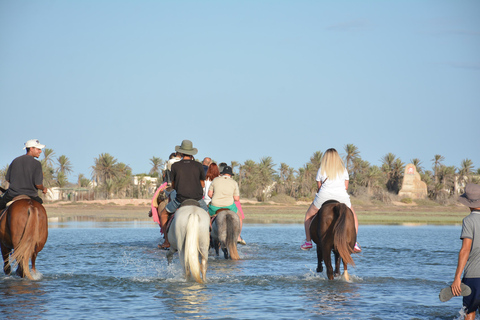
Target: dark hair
[212,172]
[172,155]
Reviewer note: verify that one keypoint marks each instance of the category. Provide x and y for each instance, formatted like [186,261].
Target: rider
[188,180]
[332,181]
[25,175]
[224,192]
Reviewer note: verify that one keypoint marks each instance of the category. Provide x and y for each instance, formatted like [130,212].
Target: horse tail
[232,237]
[26,247]
[342,233]
[192,247]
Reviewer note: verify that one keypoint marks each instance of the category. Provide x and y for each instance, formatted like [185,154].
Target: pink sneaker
[357,248]
[306,246]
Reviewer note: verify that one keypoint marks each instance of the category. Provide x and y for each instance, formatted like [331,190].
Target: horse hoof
[319,270]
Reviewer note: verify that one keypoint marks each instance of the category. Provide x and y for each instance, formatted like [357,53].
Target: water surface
[113,270]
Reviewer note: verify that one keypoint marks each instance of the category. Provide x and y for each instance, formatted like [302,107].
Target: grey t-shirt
[24,173]
[471,230]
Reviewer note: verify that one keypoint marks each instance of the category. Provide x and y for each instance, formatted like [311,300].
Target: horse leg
[337,263]
[319,258]
[216,246]
[203,268]
[345,272]
[225,252]
[327,258]
[6,255]
[170,256]
[33,258]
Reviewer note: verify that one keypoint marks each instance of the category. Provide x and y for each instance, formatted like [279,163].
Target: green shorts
[212,209]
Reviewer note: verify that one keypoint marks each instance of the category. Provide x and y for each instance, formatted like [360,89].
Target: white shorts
[321,197]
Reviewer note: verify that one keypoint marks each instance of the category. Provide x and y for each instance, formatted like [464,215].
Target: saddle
[188,202]
[20,197]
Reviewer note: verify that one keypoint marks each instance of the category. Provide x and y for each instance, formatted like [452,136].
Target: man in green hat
[188,180]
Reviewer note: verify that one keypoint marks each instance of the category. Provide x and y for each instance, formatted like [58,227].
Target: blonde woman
[332,181]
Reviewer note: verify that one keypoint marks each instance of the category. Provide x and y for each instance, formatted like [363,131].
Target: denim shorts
[174,204]
[472,302]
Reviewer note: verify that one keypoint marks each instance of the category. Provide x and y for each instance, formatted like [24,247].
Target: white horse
[189,235]
[225,231]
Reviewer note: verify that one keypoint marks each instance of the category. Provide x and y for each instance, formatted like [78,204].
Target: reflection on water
[27,296]
[94,222]
[185,298]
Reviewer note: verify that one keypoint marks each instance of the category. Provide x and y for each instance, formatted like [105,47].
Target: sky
[242,80]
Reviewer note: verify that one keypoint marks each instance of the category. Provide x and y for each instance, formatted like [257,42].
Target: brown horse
[333,229]
[23,230]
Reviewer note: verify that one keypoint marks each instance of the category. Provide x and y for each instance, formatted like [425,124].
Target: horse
[225,231]
[23,230]
[189,235]
[333,229]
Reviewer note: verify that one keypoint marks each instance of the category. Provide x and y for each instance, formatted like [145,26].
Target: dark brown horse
[23,230]
[333,229]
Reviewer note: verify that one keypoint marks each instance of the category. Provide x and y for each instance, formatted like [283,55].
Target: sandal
[447,294]
[164,246]
[357,248]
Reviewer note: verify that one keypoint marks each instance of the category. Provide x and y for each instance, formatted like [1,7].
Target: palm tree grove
[265,180]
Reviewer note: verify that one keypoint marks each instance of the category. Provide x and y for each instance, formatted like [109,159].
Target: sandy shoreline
[137,209]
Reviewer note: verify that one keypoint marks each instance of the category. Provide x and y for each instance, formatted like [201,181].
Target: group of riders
[185,178]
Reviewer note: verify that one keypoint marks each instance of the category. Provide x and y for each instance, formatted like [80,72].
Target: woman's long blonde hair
[331,164]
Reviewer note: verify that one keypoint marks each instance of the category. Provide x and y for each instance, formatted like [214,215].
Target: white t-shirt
[334,186]
[206,198]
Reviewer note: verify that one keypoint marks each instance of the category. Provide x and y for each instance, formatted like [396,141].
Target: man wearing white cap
[25,175]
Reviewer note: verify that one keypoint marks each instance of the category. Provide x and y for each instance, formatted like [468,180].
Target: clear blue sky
[241,79]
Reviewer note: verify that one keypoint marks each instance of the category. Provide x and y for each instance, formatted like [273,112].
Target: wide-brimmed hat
[34,143]
[227,170]
[471,197]
[186,148]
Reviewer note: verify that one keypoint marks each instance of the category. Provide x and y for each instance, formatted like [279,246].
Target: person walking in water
[469,255]
[332,181]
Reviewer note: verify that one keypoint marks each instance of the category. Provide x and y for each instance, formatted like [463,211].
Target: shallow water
[113,270]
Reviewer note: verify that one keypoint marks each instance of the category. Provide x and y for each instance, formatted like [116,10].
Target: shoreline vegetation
[397,213]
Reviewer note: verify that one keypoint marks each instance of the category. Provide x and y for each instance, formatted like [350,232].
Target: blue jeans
[174,204]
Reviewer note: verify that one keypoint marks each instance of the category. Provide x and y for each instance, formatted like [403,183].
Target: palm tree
[437,161]
[82,181]
[464,173]
[316,159]
[234,164]
[248,178]
[352,153]
[47,167]
[393,168]
[3,173]
[48,156]
[105,168]
[61,179]
[156,169]
[267,177]
[64,165]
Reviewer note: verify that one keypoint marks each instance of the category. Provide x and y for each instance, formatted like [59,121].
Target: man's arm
[41,187]
[462,261]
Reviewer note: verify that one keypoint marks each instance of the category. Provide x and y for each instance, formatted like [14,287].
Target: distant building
[146,181]
[413,187]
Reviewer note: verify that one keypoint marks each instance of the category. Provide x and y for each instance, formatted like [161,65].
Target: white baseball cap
[34,143]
